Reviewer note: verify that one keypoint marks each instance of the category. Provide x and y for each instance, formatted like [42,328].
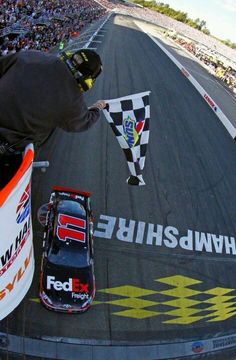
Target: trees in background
[180,16]
[175,14]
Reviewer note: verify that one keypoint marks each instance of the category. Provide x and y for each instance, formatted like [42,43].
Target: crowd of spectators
[169,23]
[43,24]
[217,68]
[217,65]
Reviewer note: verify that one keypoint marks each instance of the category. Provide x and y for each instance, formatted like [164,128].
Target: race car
[67,281]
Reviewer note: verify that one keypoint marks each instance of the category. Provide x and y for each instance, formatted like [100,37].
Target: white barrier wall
[16,247]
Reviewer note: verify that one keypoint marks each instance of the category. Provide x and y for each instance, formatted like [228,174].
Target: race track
[165,270]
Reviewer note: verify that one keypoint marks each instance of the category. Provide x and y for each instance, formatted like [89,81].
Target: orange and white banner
[16,246]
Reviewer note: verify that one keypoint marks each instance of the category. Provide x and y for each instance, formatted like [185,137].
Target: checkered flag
[129,119]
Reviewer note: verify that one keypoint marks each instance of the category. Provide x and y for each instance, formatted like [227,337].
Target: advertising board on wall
[16,247]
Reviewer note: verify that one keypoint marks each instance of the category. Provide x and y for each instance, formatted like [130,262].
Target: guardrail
[86,38]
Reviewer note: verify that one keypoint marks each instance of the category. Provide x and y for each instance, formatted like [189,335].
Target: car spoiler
[73,191]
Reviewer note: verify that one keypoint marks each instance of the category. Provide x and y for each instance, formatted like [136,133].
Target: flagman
[40,92]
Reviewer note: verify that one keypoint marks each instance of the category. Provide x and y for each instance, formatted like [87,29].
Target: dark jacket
[37,94]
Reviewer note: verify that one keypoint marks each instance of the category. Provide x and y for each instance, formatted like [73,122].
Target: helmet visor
[87,62]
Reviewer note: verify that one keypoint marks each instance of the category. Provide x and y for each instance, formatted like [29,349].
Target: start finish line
[139,232]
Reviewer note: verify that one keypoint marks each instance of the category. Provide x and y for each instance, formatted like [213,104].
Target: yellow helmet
[85,65]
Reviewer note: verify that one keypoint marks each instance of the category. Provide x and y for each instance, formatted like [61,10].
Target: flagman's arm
[81,118]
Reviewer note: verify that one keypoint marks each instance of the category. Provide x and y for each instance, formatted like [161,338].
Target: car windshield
[69,271]
[64,256]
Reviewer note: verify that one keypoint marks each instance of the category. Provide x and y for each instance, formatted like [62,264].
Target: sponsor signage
[185,72]
[16,250]
[210,102]
[197,347]
[13,251]
[132,130]
[73,196]
[224,342]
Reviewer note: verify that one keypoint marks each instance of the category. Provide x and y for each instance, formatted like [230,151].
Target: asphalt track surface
[146,293]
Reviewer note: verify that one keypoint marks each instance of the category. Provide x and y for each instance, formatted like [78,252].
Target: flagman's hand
[100,104]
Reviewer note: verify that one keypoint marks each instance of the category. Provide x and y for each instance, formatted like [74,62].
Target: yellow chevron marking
[218,291]
[133,303]
[181,303]
[180,292]
[178,280]
[184,320]
[35,300]
[137,314]
[129,291]
[218,305]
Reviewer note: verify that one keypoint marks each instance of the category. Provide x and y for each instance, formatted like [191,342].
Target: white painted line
[96,32]
[86,38]
[217,110]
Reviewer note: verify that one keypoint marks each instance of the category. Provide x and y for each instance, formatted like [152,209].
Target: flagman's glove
[100,104]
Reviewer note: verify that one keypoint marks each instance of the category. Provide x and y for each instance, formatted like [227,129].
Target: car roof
[70,221]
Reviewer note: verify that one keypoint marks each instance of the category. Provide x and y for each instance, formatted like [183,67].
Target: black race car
[67,281]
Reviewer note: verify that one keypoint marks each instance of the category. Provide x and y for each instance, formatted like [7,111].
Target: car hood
[68,287]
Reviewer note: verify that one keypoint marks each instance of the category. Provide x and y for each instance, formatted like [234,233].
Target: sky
[220,15]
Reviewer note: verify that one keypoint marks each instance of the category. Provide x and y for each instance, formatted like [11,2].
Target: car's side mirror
[42,214]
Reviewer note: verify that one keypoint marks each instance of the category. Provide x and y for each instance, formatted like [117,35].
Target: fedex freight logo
[197,347]
[210,102]
[79,290]
[23,208]
[132,130]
